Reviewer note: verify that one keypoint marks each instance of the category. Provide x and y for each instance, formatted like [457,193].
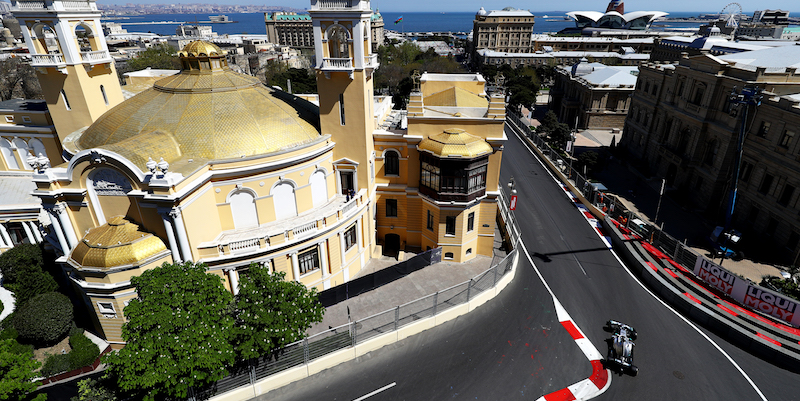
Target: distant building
[295,30]
[681,126]
[625,57]
[113,28]
[615,18]
[771,17]
[508,30]
[196,31]
[670,49]
[593,95]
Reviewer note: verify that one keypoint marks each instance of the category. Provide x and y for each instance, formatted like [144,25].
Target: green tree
[18,80]
[17,373]
[94,390]
[161,56]
[557,133]
[21,267]
[177,333]
[271,312]
[44,319]
[303,81]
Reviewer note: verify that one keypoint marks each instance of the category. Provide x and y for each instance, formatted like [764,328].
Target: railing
[46,59]
[349,206]
[357,332]
[31,5]
[335,3]
[338,63]
[371,61]
[306,228]
[245,245]
[96,55]
[76,5]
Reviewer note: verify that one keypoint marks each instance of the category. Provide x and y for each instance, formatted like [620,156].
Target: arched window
[391,163]
[284,200]
[108,192]
[319,188]
[66,101]
[243,208]
[8,155]
[338,46]
[37,148]
[22,151]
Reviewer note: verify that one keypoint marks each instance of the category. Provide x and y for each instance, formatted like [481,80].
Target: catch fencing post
[396,317]
[435,301]
[469,288]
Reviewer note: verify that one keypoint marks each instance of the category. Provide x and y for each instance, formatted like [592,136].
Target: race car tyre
[633,334]
[634,370]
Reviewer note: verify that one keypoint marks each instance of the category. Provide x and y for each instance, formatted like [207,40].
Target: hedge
[23,274]
[45,319]
[84,352]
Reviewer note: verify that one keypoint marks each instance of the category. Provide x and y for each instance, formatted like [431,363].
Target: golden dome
[203,114]
[455,142]
[118,243]
[201,48]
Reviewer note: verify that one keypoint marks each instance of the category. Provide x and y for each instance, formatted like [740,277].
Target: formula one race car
[620,346]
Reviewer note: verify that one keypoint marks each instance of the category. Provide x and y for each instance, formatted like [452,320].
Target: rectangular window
[471,221]
[786,139]
[450,226]
[747,169]
[766,184]
[477,179]
[430,221]
[106,308]
[786,195]
[391,207]
[698,95]
[764,129]
[794,238]
[772,225]
[341,108]
[308,260]
[350,237]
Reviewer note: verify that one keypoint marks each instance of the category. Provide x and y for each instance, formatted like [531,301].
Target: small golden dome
[116,244]
[455,143]
[201,48]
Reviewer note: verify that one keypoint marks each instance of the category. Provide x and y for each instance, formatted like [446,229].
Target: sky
[533,5]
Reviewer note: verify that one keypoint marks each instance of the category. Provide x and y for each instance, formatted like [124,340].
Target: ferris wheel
[731,15]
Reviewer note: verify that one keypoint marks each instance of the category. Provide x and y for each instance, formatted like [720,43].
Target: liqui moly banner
[746,293]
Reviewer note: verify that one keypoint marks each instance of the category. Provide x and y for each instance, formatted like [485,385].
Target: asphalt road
[514,348]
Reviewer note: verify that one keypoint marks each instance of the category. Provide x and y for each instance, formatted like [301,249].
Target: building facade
[508,30]
[295,30]
[682,126]
[210,166]
[593,95]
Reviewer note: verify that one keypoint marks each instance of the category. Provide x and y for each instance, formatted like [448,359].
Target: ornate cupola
[202,56]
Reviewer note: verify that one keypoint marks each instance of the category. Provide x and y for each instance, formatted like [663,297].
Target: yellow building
[211,166]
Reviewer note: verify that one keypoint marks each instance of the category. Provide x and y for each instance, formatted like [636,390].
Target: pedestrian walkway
[418,284]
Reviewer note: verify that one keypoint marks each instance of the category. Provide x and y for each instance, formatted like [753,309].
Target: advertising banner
[747,293]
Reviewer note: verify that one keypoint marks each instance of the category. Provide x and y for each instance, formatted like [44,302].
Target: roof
[116,244]
[16,191]
[455,143]
[773,59]
[456,97]
[202,115]
[451,77]
[508,12]
[612,76]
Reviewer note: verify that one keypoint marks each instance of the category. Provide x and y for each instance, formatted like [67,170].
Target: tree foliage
[303,81]
[44,319]
[399,61]
[272,312]
[557,133]
[94,390]
[18,80]
[16,374]
[177,333]
[161,56]
[21,267]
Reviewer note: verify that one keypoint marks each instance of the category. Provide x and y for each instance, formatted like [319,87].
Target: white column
[173,245]
[295,267]
[66,225]
[4,235]
[59,233]
[358,235]
[28,233]
[341,247]
[180,229]
[233,275]
[36,232]
[323,259]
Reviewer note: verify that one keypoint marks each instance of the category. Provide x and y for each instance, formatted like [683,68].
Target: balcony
[243,242]
[96,57]
[48,60]
[66,5]
[338,64]
[371,62]
[319,5]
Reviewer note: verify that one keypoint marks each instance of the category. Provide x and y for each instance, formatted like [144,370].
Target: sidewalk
[416,285]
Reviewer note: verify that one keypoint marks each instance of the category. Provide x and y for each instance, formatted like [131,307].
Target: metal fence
[359,331]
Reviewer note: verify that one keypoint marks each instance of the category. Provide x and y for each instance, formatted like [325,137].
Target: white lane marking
[692,325]
[687,321]
[386,387]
